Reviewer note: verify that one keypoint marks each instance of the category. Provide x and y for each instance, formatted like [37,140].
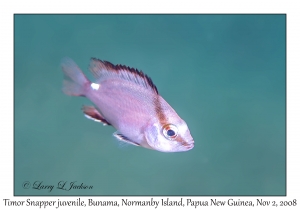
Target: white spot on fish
[95,86]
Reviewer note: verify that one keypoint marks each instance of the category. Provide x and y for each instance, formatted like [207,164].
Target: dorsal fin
[102,69]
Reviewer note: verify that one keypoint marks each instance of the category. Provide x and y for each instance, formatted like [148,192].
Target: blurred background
[225,75]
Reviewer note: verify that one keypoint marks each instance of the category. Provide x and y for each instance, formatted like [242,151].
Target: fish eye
[170,131]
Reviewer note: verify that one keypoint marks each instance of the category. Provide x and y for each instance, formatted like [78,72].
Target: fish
[128,100]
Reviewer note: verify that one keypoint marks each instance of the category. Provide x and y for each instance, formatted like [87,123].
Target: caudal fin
[75,82]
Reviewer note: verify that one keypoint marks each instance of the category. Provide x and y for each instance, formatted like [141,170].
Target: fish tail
[75,82]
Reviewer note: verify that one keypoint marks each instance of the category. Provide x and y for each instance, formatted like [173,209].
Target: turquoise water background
[225,75]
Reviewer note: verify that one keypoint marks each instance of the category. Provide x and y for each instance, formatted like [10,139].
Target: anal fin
[123,138]
[92,113]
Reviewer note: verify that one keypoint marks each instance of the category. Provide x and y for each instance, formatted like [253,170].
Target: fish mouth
[185,144]
[190,145]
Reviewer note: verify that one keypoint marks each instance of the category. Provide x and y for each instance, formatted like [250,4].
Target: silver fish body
[128,100]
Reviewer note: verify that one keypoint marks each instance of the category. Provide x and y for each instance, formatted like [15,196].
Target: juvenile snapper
[127,99]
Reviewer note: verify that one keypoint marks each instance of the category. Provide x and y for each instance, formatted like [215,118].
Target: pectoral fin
[123,138]
[92,113]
